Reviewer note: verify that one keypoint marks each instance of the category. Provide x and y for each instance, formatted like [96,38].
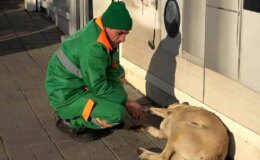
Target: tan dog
[193,133]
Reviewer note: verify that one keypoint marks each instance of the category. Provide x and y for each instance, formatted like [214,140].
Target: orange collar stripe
[103,37]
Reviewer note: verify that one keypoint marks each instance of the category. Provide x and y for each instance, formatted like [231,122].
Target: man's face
[116,36]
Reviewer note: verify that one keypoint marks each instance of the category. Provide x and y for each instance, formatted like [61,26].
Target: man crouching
[84,78]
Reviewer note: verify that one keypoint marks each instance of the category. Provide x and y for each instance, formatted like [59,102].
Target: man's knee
[118,114]
[113,117]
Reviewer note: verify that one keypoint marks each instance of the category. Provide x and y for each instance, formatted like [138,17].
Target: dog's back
[197,134]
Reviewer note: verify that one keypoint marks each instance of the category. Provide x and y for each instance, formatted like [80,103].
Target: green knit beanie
[117,16]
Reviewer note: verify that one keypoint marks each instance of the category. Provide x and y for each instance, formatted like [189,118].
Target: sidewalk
[27,125]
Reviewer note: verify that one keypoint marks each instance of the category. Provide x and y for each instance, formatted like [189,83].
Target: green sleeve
[94,62]
[116,72]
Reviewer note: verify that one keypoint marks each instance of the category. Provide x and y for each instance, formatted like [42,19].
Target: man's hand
[135,109]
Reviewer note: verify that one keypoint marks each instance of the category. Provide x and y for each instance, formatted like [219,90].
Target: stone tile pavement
[27,125]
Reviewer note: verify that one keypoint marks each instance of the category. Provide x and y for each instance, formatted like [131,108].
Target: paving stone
[3,155]
[47,151]
[123,143]
[20,152]
[38,100]
[95,150]
[23,121]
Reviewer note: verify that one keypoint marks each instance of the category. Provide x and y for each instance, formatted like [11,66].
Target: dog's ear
[185,103]
[169,113]
[173,105]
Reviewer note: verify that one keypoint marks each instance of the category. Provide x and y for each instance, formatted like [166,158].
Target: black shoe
[64,126]
[82,134]
[119,126]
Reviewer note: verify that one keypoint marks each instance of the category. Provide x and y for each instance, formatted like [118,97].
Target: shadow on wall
[163,67]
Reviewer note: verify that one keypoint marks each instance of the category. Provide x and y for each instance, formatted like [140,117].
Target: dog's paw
[137,128]
[143,154]
[140,150]
[146,110]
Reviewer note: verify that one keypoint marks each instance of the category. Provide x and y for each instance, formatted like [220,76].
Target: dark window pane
[252,5]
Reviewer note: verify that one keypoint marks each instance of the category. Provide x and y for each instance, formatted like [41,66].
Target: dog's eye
[169,112]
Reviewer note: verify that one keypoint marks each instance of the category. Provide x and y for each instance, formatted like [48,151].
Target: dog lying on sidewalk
[193,133]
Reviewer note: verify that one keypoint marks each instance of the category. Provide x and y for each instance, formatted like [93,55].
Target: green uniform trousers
[104,114]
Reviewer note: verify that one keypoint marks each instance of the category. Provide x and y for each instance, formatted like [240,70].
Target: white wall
[174,70]
[99,7]
[250,50]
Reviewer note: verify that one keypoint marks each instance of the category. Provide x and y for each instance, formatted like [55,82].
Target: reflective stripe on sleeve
[68,64]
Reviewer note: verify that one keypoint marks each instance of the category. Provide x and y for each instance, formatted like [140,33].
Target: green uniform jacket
[100,70]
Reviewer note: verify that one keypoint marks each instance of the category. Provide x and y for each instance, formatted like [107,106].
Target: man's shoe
[119,126]
[86,134]
[82,134]
[64,126]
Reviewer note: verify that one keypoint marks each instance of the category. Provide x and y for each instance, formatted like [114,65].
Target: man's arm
[93,64]
[116,71]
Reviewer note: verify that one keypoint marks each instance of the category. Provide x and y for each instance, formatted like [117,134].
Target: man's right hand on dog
[135,109]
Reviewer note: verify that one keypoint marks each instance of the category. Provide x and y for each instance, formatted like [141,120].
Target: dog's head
[178,105]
